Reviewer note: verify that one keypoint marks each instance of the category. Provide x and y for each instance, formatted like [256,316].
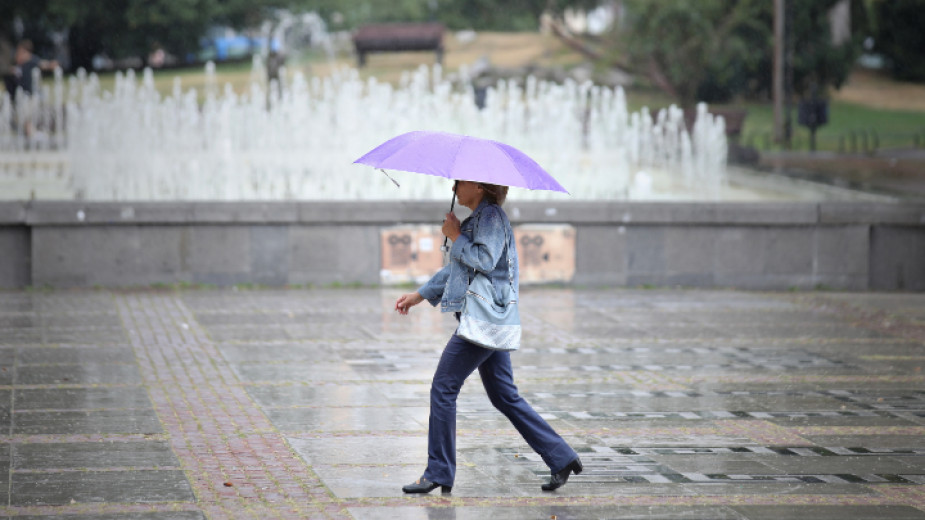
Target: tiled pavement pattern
[313,404]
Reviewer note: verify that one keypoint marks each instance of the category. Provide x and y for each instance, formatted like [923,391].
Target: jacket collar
[484,202]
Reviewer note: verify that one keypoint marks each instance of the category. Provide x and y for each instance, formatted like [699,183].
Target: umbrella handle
[390,177]
[444,247]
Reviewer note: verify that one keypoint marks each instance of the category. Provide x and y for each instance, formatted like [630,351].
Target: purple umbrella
[460,157]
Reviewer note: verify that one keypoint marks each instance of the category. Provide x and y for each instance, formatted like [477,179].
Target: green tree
[496,15]
[900,37]
[509,15]
[692,48]
[124,28]
[817,62]
[714,50]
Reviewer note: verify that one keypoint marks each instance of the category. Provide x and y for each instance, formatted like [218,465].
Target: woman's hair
[494,193]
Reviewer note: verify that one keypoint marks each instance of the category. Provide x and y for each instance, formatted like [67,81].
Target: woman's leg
[460,358]
[498,379]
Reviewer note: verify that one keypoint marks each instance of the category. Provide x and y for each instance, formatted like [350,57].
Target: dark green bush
[901,37]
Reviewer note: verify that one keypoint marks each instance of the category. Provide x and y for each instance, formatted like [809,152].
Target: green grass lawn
[881,128]
[237,74]
[849,126]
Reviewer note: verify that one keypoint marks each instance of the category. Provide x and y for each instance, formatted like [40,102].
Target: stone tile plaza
[313,403]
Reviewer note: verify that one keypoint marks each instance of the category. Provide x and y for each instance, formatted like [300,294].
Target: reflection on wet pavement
[314,404]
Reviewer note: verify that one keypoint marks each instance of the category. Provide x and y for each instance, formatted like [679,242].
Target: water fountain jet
[298,144]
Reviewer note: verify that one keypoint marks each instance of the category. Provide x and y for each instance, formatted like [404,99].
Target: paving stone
[5,418]
[82,302]
[882,440]
[296,372]
[249,334]
[5,459]
[558,512]
[314,404]
[836,418]
[98,422]
[19,321]
[830,512]
[95,336]
[72,355]
[298,353]
[35,489]
[342,419]
[120,397]
[16,302]
[166,515]
[325,395]
[279,318]
[82,320]
[92,455]
[753,464]
[13,336]
[77,373]
[358,450]
[880,464]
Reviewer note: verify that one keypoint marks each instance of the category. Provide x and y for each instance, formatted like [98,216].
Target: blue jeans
[460,358]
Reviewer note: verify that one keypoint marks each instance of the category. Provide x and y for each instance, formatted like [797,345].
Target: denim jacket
[481,245]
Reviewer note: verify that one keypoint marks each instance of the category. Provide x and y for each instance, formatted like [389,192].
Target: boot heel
[446,489]
[577,467]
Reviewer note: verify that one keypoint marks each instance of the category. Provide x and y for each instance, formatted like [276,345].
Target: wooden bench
[398,37]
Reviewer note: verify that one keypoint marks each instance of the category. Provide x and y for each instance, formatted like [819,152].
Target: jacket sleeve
[483,250]
[432,291]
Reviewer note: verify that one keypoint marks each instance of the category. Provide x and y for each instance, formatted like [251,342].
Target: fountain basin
[758,245]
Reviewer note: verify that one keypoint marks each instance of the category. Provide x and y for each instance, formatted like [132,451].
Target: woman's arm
[432,291]
[482,251]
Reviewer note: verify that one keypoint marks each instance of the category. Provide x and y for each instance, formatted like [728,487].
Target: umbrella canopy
[461,157]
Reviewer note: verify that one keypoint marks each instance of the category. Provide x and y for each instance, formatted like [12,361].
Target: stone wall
[839,245]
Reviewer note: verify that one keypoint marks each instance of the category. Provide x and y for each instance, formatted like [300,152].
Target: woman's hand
[451,227]
[406,301]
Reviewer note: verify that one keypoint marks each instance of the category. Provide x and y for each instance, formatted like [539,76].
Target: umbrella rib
[514,165]
[527,180]
[394,152]
[455,159]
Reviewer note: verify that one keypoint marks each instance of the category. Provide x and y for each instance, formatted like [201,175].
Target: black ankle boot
[425,486]
[559,479]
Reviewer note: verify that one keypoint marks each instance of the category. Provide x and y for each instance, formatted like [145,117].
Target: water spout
[134,144]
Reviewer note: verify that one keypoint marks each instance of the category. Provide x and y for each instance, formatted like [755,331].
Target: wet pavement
[313,404]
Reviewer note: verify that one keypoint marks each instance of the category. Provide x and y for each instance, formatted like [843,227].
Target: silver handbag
[486,322]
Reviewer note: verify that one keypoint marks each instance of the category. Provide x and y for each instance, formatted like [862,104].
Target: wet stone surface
[32,489]
[86,422]
[92,455]
[72,399]
[171,515]
[314,404]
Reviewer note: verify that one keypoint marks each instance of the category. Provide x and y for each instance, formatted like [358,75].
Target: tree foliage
[900,37]
[122,28]
[687,46]
[818,63]
[715,50]
[482,15]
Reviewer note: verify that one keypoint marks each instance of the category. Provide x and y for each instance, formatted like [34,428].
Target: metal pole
[788,73]
[778,85]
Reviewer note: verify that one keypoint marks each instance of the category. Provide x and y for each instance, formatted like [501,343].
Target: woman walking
[483,243]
